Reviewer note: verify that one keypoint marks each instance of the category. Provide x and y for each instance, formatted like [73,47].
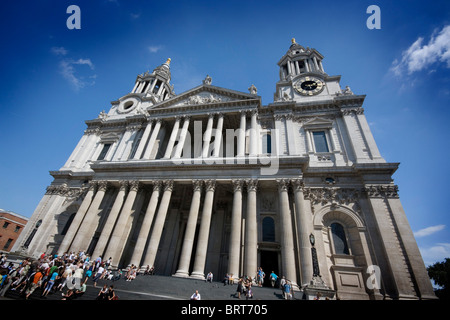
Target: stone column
[207,136]
[183,134]
[151,142]
[304,229]
[218,137]
[203,236]
[73,229]
[236,222]
[253,134]
[241,137]
[146,224]
[120,233]
[287,237]
[159,224]
[173,138]
[188,242]
[144,138]
[90,222]
[111,220]
[251,231]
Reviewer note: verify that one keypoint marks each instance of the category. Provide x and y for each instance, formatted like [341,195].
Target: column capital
[252,184]
[298,184]
[168,185]
[134,185]
[237,184]
[102,185]
[210,185]
[197,184]
[157,184]
[283,184]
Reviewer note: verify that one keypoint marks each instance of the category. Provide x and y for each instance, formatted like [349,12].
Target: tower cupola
[299,61]
[156,84]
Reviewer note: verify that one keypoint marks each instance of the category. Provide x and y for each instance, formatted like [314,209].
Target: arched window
[339,239]
[268,232]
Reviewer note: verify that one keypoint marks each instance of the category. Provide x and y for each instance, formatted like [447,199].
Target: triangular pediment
[204,95]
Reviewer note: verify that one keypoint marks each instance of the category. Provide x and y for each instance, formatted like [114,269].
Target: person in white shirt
[196,296]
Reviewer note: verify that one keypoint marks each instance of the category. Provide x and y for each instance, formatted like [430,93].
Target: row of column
[180,131]
[116,229]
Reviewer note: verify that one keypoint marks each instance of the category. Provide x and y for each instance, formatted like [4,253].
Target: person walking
[50,283]
[273,279]
[98,274]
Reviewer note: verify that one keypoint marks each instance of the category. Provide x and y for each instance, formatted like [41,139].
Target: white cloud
[154,49]
[436,253]
[135,15]
[428,231]
[67,69]
[59,51]
[419,57]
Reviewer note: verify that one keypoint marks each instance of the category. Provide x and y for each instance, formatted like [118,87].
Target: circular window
[128,105]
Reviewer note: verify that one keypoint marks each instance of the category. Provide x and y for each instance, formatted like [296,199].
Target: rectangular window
[5,225]
[7,244]
[320,141]
[104,151]
[266,143]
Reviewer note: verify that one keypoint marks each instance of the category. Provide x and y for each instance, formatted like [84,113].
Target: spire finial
[293,40]
[168,60]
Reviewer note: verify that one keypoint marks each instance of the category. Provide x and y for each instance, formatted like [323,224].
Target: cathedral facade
[212,180]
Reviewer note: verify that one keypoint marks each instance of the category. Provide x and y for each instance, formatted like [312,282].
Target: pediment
[318,123]
[204,95]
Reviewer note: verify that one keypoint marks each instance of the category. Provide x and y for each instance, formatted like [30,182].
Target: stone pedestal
[318,290]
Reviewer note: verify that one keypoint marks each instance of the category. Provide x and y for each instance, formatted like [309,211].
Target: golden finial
[168,60]
[293,40]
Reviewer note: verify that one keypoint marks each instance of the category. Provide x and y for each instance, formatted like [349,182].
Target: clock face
[309,86]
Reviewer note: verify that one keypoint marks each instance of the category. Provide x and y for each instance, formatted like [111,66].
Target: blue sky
[52,79]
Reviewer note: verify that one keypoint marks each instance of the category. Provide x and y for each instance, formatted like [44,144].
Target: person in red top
[34,283]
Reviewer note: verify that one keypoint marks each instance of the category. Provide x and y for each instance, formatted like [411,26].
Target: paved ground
[162,288]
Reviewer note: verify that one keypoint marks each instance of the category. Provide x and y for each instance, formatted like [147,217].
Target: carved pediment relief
[203,95]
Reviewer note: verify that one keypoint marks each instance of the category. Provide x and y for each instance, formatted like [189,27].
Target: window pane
[268,229]
[339,240]
[320,141]
[104,152]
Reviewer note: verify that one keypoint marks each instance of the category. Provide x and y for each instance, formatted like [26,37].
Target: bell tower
[155,85]
[302,76]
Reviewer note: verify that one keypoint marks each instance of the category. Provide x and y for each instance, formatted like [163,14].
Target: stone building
[213,180]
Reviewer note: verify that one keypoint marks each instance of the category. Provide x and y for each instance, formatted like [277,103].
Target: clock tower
[302,77]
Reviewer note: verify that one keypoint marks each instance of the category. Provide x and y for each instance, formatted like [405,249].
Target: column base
[197,275]
[181,274]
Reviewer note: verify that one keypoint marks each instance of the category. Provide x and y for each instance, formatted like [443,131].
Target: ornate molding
[332,195]
[381,191]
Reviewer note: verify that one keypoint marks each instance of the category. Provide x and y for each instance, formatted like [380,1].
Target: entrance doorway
[269,263]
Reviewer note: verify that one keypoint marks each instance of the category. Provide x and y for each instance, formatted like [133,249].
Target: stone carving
[198,99]
[381,191]
[207,80]
[253,89]
[332,195]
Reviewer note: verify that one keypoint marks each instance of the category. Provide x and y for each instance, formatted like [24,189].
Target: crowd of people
[67,274]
